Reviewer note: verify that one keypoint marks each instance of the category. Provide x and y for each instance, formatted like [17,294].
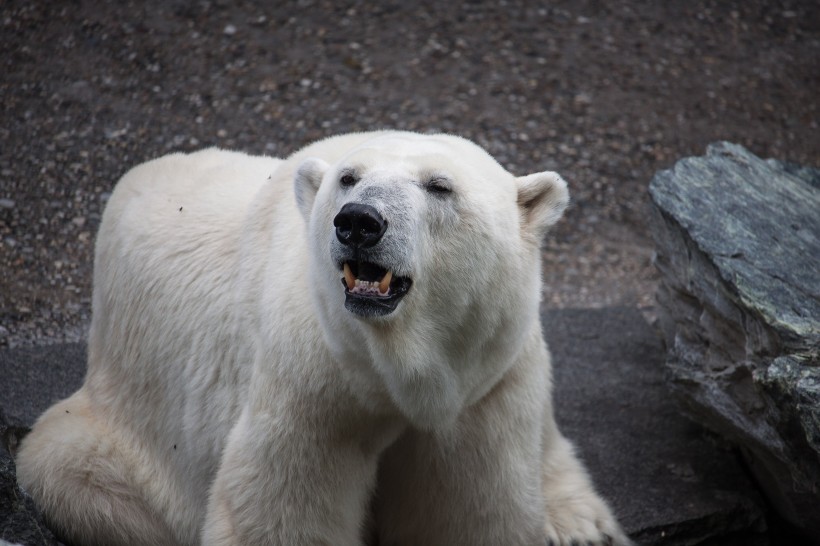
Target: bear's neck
[432,373]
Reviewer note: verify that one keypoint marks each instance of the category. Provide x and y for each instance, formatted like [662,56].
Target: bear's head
[424,251]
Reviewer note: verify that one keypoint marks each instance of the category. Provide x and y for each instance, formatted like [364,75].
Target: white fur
[231,398]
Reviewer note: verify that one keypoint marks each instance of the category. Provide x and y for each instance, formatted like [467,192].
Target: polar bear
[338,348]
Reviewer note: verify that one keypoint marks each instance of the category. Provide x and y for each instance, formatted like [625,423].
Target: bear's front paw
[583,522]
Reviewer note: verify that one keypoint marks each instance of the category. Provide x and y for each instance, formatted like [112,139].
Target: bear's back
[164,304]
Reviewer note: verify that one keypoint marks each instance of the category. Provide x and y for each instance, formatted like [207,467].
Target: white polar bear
[338,348]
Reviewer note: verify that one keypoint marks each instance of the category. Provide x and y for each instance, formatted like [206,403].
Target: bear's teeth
[349,278]
[384,285]
[358,286]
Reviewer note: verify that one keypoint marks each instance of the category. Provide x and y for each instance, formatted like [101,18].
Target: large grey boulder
[738,247]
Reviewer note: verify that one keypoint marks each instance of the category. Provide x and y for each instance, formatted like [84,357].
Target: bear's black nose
[359,225]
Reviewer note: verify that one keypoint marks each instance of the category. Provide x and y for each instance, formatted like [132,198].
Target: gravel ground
[605,93]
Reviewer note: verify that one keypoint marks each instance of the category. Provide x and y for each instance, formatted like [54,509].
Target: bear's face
[432,248]
[404,208]
[394,209]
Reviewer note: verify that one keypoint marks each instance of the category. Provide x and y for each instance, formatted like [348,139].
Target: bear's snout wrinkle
[359,225]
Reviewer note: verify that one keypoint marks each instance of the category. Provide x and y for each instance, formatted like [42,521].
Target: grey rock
[738,247]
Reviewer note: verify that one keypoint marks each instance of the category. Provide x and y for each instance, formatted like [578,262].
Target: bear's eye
[439,186]
[347,180]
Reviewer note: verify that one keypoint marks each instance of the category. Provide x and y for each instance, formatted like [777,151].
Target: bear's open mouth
[372,290]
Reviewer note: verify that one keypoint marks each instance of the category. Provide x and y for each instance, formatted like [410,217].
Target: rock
[78,92]
[738,241]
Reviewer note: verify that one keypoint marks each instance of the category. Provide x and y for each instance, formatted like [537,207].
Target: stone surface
[33,379]
[669,482]
[738,248]
[36,377]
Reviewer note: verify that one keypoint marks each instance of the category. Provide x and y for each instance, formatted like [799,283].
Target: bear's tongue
[360,286]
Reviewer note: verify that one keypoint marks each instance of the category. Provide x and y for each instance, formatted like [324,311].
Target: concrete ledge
[669,481]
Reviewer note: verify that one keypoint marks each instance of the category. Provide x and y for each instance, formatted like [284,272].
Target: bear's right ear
[306,182]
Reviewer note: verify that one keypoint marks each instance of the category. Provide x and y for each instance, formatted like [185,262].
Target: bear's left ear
[542,198]
[306,183]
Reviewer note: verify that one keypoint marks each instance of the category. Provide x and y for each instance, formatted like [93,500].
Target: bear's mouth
[372,290]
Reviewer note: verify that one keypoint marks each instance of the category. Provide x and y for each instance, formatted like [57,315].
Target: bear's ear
[542,198]
[306,182]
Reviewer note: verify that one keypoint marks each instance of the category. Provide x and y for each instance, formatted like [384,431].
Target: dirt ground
[606,93]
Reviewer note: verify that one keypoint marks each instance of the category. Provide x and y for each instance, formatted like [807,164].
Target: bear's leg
[83,476]
[293,482]
[575,514]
